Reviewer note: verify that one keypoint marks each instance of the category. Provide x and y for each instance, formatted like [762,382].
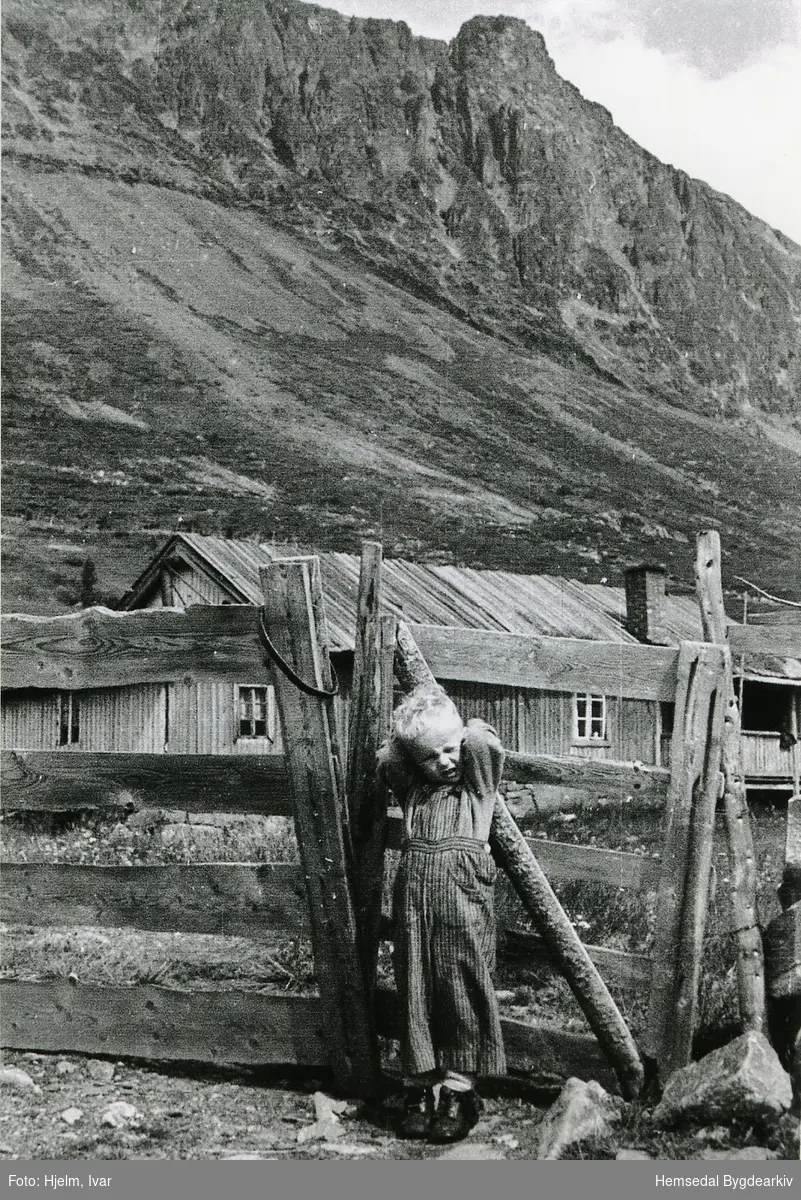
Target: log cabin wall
[132,719]
[537,722]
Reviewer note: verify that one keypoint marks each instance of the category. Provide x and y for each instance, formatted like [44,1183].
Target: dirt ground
[183,1112]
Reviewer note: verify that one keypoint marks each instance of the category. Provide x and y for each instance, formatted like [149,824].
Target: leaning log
[513,853]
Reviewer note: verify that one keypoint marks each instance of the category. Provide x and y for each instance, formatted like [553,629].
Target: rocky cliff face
[511,195]
[226,217]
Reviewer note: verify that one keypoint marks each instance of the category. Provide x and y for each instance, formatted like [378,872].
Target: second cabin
[205,717]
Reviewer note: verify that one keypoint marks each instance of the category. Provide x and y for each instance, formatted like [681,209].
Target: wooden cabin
[214,718]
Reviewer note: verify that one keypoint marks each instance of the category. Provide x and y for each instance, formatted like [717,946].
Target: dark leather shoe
[418,1112]
[458,1112]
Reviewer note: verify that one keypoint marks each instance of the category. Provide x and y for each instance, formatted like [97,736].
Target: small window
[590,718]
[256,712]
[69,726]
[667,716]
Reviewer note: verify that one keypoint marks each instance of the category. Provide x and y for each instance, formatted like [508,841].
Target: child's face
[437,750]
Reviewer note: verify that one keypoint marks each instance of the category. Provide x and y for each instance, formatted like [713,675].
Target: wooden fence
[341,821]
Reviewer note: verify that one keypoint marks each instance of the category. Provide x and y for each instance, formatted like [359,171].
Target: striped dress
[445,922]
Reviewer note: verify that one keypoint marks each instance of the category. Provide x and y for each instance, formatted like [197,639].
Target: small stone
[472,1150]
[121,836]
[201,839]
[63,1067]
[326,1131]
[717,1136]
[326,1108]
[15,1077]
[743,1081]
[71,1115]
[99,1070]
[633,1155]
[119,1114]
[507,1140]
[582,1110]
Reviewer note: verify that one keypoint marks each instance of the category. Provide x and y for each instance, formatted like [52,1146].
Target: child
[445,776]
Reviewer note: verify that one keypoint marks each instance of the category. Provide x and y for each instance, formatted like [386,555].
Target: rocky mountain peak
[377,283]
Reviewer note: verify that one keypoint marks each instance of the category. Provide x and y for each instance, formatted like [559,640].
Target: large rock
[15,1077]
[583,1110]
[742,1081]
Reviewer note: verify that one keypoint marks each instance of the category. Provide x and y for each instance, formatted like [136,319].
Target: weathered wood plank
[783,953]
[162,1023]
[370,712]
[709,726]
[616,966]
[790,890]
[739,838]
[99,648]
[45,780]
[676,838]
[686,859]
[540,1053]
[235,899]
[564,861]
[781,641]
[295,619]
[604,777]
[553,664]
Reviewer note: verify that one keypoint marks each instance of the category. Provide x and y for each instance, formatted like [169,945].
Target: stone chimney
[645,604]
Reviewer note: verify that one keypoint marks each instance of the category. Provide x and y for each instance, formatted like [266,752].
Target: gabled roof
[427,594]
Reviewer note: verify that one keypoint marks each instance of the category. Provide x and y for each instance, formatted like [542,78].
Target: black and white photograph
[401,591]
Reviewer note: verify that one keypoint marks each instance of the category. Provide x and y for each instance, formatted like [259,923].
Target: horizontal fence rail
[234,899]
[57,780]
[242,1027]
[98,648]
[564,861]
[163,1023]
[602,776]
[553,664]
[617,966]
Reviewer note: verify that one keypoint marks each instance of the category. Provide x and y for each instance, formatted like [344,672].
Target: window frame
[589,718]
[270,724]
[69,720]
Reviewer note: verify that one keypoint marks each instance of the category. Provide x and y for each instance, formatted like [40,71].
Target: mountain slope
[272,270]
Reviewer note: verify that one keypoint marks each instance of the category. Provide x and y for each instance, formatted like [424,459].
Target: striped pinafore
[445,924]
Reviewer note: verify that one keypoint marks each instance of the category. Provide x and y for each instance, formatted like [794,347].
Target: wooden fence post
[742,864]
[683,891]
[537,896]
[295,621]
[371,709]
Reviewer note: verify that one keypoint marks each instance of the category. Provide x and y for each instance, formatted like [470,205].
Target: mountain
[269,270]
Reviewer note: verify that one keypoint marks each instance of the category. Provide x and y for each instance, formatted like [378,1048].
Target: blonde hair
[416,711]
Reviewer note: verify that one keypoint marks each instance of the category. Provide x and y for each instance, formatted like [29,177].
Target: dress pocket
[474,874]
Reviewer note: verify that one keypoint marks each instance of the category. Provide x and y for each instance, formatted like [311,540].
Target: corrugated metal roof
[548,605]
